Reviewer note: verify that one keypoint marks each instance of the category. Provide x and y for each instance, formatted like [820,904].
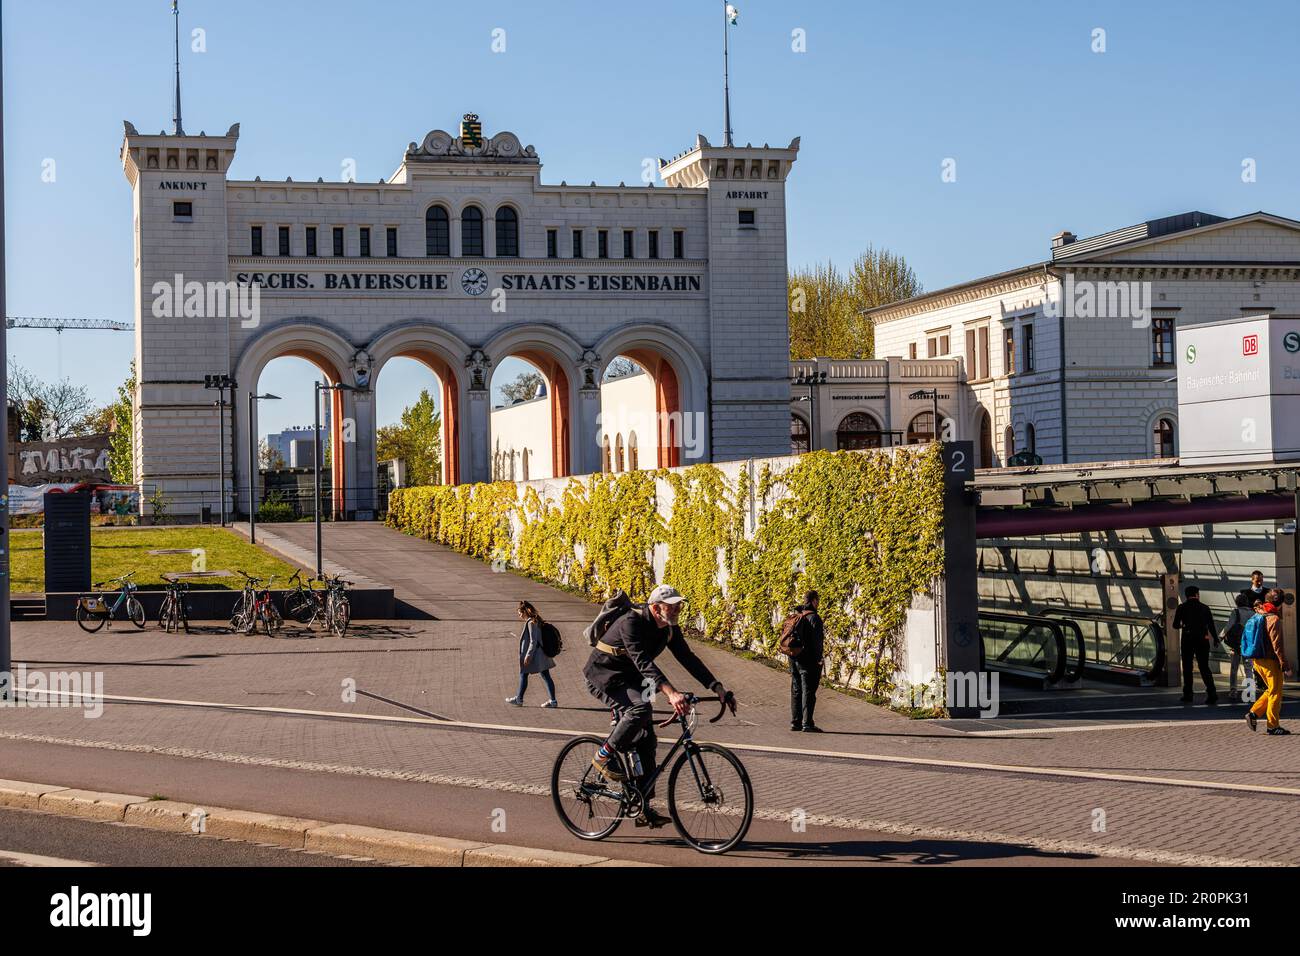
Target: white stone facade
[1102,395]
[704,312]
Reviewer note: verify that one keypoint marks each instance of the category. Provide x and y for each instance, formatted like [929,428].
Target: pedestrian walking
[1255,593]
[803,641]
[1196,624]
[533,658]
[1242,613]
[1262,644]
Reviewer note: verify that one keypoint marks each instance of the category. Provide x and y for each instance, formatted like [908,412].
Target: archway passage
[557,395]
[668,409]
[986,440]
[449,408]
[300,391]
[857,431]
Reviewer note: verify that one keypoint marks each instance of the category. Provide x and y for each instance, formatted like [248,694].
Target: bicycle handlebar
[727,701]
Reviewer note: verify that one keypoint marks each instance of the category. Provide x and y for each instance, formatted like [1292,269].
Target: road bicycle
[256,605]
[710,799]
[94,611]
[173,616]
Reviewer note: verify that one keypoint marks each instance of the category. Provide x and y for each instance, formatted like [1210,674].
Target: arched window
[631,451]
[605,452]
[524,455]
[1031,440]
[986,440]
[858,430]
[437,232]
[507,232]
[1162,438]
[618,452]
[1008,444]
[799,442]
[922,429]
[471,231]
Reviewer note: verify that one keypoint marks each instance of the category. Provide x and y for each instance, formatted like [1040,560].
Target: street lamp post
[221,383]
[812,380]
[316,455]
[253,399]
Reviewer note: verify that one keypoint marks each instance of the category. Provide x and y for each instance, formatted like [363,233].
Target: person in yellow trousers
[1264,641]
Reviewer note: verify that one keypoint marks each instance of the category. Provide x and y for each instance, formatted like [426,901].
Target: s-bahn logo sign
[1191,354]
[1291,341]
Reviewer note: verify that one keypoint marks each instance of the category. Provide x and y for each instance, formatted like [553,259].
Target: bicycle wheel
[341,617]
[271,619]
[589,806]
[713,804]
[135,612]
[299,606]
[90,622]
[241,613]
[166,618]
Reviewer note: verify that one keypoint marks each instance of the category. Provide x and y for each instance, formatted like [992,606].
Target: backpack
[617,605]
[552,642]
[1232,636]
[1255,644]
[791,638]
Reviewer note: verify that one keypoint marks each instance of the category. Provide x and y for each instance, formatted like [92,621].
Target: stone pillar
[364,488]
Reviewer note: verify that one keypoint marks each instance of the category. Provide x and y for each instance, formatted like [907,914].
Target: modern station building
[460,259]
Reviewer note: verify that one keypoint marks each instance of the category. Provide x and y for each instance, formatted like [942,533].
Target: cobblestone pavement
[1142,780]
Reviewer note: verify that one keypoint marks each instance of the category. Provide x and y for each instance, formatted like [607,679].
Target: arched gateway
[460,260]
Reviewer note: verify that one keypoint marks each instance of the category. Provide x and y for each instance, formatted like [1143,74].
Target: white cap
[666,594]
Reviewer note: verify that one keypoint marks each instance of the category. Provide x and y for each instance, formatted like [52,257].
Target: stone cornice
[1026,278]
[1188,271]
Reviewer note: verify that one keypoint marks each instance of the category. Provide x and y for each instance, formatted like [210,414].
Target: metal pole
[6,663]
[221,450]
[935,394]
[726,70]
[316,469]
[252,472]
[812,413]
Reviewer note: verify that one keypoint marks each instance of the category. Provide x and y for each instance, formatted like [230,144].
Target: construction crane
[58,325]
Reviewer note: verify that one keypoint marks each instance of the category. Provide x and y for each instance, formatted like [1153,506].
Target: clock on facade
[474,281]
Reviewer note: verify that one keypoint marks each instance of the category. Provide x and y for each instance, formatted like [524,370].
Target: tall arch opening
[640,394]
[530,417]
[404,421]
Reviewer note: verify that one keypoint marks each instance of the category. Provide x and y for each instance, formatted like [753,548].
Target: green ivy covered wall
[742,540]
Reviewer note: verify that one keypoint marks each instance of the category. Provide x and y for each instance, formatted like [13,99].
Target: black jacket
[637,633]
[1195,621]
[813,637]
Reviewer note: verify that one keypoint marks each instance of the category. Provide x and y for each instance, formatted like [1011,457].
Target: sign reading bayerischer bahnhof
[461,258]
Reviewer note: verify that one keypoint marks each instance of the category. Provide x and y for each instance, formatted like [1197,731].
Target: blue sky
[1046,133]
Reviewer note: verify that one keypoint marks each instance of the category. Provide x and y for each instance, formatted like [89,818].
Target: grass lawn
[115,551]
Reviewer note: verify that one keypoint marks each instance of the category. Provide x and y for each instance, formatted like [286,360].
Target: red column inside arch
[450,408]
[667,405]
[557,393]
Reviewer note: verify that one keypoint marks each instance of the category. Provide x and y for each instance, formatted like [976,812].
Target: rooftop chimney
[1063,239]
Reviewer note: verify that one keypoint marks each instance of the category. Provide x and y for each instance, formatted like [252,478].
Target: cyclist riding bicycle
[622,674]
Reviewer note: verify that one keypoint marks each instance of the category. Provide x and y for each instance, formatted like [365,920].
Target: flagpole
[176,15]
[726,70]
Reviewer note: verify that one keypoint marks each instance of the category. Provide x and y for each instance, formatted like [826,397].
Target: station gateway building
[460,259]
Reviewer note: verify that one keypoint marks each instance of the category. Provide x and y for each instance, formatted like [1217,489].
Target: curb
[337,839]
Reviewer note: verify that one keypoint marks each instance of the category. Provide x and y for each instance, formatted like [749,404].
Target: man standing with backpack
[803,641]
[1261,643]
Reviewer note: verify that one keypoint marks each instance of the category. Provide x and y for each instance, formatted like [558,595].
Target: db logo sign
[1250,345]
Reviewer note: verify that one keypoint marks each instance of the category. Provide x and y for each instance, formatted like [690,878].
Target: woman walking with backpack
[1262,645]
[533,659]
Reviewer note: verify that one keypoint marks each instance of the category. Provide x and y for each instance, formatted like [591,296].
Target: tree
[269,458]
[523,388]
[121,429]
[826,307]
[417,439]
[622,367]
[49,412]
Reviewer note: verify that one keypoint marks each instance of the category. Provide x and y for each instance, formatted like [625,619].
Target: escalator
[1124,648]
[1031,649]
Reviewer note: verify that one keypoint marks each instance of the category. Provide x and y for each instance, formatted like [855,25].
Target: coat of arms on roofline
[471,145]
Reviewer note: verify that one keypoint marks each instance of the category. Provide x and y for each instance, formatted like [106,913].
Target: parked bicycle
[94,611]
[173,616]
[711,804]
[338,609]
[256,605]
[304,603]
